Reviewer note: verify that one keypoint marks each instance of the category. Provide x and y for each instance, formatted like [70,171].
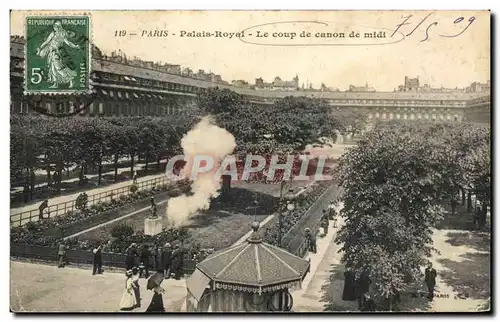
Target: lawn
[219,227]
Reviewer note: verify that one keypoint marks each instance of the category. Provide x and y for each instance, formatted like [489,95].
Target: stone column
[153,226]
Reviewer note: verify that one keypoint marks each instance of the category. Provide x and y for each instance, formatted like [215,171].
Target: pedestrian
[134,177]
[136,286]
[476,218]
[130,256]
[177,262]
[167,260]
[325,225]
[430,280]
[368,303]
[349,292]
[324,215]
[145,254]
[156,304]
[335,222]
[44,205]
[362,287]
[158,259]
[85,200]
[62,254]
[311,240]
[128,301]
[97,260]
[331,211]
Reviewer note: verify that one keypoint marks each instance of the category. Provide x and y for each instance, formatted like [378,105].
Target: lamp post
[289,205]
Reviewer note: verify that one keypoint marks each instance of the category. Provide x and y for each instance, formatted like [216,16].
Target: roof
[17,50]
[254,263]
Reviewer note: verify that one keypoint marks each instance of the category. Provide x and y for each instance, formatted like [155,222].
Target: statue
[153,223]
[153,209]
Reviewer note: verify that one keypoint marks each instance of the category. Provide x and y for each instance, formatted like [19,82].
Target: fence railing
[294,241]
[74,256]
[62,208]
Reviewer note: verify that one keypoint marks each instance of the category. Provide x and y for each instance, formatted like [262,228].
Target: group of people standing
[167,259]
[357,288]
[329,214]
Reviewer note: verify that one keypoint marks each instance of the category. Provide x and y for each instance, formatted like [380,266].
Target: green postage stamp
[57,55]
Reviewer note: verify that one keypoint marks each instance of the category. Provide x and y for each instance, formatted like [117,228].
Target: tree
[391,202]
[395,182]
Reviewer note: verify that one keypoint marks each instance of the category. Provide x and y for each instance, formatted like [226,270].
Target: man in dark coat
[130,256]
[42,208]
[325,215]
[167,260]
[368,303]
[158,259]
[97,260]
[362,287]
[325,225]
[430,280]
[311,240]
[145,254]
[177,259]
[349,292]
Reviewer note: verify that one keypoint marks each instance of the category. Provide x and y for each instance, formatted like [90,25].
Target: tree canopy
[395,182]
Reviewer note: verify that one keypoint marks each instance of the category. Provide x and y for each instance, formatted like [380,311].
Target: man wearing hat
[311,240]
[130,256]
[167,260]
[145,254]
[62,254]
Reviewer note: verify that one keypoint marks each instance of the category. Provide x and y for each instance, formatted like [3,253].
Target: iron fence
[62,208]
[294,241]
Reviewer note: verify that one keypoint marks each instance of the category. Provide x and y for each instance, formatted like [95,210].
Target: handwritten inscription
[431,25]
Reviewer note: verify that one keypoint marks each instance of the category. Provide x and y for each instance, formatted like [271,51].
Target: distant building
[478,87]
[411,84]
[278,84]
[365,88]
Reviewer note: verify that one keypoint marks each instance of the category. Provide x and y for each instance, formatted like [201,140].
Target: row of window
[400,102]
[417,116]
[101,108]
[445,110]
[136,81]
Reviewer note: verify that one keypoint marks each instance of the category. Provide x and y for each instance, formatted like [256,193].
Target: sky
[337,62]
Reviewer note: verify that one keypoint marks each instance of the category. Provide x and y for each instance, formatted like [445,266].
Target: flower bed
[289,220]
[34,234]
[47,231]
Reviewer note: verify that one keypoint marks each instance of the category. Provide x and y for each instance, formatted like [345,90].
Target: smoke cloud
[205,141]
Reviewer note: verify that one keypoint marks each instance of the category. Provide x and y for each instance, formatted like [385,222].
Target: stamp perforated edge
[90,89]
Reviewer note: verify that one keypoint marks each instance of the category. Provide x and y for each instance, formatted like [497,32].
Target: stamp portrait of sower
[57,54]
[58,71]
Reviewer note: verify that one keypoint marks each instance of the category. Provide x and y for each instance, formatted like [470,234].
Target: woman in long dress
[156,304]
[154,283]
[58,71]
[128,301]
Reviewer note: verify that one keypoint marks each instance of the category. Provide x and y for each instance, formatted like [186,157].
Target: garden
[284,128]
[48,231]
[218,228]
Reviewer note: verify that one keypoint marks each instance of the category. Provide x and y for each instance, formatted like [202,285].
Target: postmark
[57,55]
